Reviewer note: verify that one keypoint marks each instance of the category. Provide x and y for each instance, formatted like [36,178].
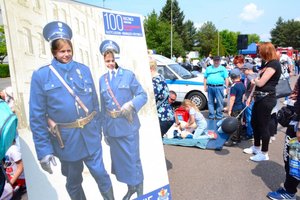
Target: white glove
[127,111]
[45,163]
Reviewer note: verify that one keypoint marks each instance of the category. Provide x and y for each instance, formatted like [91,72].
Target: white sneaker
[251,150]
[259,157]
[273,138]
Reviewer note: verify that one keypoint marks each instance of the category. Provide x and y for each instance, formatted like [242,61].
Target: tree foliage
[190,37]
[185,30]
[286,33]
[177,16]
[205,39]
[3,50]
[158,34]
[228,43]
[253,38]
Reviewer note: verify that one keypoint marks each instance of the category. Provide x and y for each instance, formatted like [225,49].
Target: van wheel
[198,98]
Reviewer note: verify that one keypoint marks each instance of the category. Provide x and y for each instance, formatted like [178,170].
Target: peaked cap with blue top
[109,45]
[57,30]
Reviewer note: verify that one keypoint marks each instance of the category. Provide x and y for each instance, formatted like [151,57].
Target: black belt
[263,93]
[215,85]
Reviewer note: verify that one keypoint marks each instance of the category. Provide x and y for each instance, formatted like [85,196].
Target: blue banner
[122,25]
[162,193]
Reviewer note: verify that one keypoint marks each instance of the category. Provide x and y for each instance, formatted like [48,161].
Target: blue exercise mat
[218,143]
[215,144]
[201,143]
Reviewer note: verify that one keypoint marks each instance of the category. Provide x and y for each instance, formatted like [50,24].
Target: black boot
[230,143]
[139,189]
[232,140]
[109,195]
[134,189]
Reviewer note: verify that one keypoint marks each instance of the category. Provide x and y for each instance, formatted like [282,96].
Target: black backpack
[285,115]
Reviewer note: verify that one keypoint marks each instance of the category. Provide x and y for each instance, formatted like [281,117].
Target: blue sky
[248,17]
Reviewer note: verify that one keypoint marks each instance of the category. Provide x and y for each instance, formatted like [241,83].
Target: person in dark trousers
[264,102]
[293,130]
[162,99]
[236,105]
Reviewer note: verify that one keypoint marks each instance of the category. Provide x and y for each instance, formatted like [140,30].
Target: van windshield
[181,71]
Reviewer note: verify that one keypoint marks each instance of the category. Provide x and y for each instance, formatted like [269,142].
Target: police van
[180,80]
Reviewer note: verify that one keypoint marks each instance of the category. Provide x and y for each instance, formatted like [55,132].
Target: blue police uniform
[49,98]
[123,136]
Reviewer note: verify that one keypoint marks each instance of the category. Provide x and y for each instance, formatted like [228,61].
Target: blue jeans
[248,114]
[215,94]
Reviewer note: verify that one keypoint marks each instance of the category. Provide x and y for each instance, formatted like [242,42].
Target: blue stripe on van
[183,82]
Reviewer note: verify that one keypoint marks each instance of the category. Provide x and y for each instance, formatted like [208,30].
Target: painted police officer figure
[122,97]
[78,128]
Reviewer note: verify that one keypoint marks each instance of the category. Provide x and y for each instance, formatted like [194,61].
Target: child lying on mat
[196,127]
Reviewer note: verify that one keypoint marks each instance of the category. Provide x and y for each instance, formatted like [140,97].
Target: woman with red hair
[264,101]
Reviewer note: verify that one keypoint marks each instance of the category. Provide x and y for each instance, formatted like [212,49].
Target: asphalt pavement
[228,174]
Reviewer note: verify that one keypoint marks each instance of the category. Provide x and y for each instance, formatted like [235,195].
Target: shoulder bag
[283,88]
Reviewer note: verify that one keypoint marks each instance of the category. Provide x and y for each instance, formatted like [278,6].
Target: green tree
[228,43]
[286,33]
[158,36]
[3,50]
[191,33]
[177,16]
[179,27]
[253,38]
[206,39]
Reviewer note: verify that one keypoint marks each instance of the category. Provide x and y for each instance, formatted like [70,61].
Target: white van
[183,82]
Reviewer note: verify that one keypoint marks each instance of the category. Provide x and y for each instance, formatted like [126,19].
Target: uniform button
[113,103]
[73,87]
[85,90]
[52,85]
[71,78]
[85,80]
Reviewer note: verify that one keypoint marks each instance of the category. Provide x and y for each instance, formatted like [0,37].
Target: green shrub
[4,70]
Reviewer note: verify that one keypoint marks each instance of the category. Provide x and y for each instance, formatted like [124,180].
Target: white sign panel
[28,51]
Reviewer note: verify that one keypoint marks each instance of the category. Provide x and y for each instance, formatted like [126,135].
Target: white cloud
[297,19]
[251,12]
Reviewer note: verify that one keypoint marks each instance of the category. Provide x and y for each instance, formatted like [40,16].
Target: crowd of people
[12,163]
[252,100]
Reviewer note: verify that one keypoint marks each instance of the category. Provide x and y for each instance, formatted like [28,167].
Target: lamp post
[218,42]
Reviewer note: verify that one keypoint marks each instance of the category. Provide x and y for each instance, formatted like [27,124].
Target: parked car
[183,82]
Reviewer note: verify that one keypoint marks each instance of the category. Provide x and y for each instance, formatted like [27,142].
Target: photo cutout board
[28,51]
